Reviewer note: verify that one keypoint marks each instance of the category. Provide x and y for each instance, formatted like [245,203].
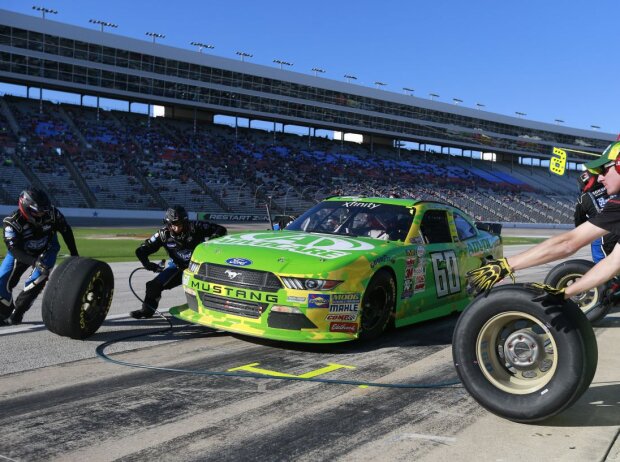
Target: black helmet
[34,205]
[177,215]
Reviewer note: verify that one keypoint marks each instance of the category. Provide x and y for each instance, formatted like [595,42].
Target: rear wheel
[377,305]
[590,302]
[521,360]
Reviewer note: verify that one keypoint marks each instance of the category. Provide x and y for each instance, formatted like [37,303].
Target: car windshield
[368,219]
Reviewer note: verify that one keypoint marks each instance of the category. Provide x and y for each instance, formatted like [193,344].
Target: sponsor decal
[475,247]
[380,260]
[302,243]
[295,299]
[409,272]
[421,251]
[318,301]
[185,280]
[345,303]
[232,292]
[349,327]
[341,317]
[153,238]
[419,270]
[407,289]
[239,261]
[366,205]
[9,232]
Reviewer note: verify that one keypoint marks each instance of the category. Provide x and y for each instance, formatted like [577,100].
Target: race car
[345,269]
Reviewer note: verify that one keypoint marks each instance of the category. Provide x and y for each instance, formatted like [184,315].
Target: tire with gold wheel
[523,360]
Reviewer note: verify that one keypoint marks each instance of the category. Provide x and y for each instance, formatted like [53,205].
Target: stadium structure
[491,165]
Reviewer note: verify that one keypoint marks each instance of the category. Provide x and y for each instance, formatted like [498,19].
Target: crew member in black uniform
[31,239]
[591,201]
[607,167]
[179,237]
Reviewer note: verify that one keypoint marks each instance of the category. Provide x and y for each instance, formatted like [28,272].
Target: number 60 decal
[446,271]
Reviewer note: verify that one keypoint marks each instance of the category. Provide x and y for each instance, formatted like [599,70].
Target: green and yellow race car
[345,269]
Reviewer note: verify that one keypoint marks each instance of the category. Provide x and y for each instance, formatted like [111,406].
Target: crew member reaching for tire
[30,235]
[179,237]
[607,167]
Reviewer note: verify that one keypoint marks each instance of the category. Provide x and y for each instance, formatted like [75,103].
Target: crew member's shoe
[143,313]
[15,318]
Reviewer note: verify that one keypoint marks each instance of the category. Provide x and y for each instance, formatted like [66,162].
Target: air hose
[101,353]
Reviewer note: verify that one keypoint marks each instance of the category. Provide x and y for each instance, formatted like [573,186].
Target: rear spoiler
[493,228]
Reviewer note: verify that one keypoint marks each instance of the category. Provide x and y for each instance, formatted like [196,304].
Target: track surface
[58,401]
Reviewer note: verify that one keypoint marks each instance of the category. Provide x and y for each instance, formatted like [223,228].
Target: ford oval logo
[239,261]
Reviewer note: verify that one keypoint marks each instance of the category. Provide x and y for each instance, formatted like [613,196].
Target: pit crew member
[607,167]
[179,237]
[30,235]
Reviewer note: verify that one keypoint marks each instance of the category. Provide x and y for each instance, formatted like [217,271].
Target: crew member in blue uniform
[179,237]
[30,235]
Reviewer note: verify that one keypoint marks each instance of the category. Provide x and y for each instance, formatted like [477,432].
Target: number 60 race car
[343,270]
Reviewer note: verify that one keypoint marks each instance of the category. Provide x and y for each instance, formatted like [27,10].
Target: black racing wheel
[590,302]
[77,297]
[522,360]
[377,305]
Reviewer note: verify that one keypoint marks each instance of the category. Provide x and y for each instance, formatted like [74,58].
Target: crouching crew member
[179,237]
[31,239]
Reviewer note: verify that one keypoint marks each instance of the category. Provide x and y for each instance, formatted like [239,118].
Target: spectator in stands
[179,237]
[607,167]
[591,201]
[30,237]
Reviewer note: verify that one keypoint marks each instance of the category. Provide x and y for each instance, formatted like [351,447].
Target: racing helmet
[587,180]
[35,206]
[177,216]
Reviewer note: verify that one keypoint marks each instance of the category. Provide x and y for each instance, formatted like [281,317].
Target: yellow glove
[551,296]
[484,278]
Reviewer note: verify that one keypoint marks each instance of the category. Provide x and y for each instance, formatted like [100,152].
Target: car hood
[290,252]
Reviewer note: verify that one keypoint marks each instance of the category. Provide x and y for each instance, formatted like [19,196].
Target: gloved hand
[552,295]
[154,267]
[484,278]
[41,266]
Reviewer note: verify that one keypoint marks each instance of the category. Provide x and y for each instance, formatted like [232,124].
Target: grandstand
[88,157]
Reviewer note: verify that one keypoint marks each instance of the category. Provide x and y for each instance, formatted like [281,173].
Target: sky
[548,59]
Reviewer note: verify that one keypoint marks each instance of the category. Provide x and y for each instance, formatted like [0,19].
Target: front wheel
[521,360]
[590,302]
[377,305]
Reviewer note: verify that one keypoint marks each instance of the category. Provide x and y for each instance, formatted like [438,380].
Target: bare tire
[590,302]
[377,305]
[78,297]
[521,360]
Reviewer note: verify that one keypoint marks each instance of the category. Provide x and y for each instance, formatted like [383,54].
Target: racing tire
[521,360]
[78,297]
[590,302]
[377,305]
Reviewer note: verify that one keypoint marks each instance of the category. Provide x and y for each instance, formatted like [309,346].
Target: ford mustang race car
[345,269]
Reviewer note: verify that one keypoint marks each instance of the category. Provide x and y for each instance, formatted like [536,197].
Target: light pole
[44,10]
[286,197]
[408,91]
[155,35]
[380,84]
[282,63]
[433,95]
[457,101]
[243,55]
[480,105]
[256,193]
[102,23]
[520,114]
[201,46]
[350,77]
[317,71]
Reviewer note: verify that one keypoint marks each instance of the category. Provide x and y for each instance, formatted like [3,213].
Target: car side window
[464,228]
[435,228]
